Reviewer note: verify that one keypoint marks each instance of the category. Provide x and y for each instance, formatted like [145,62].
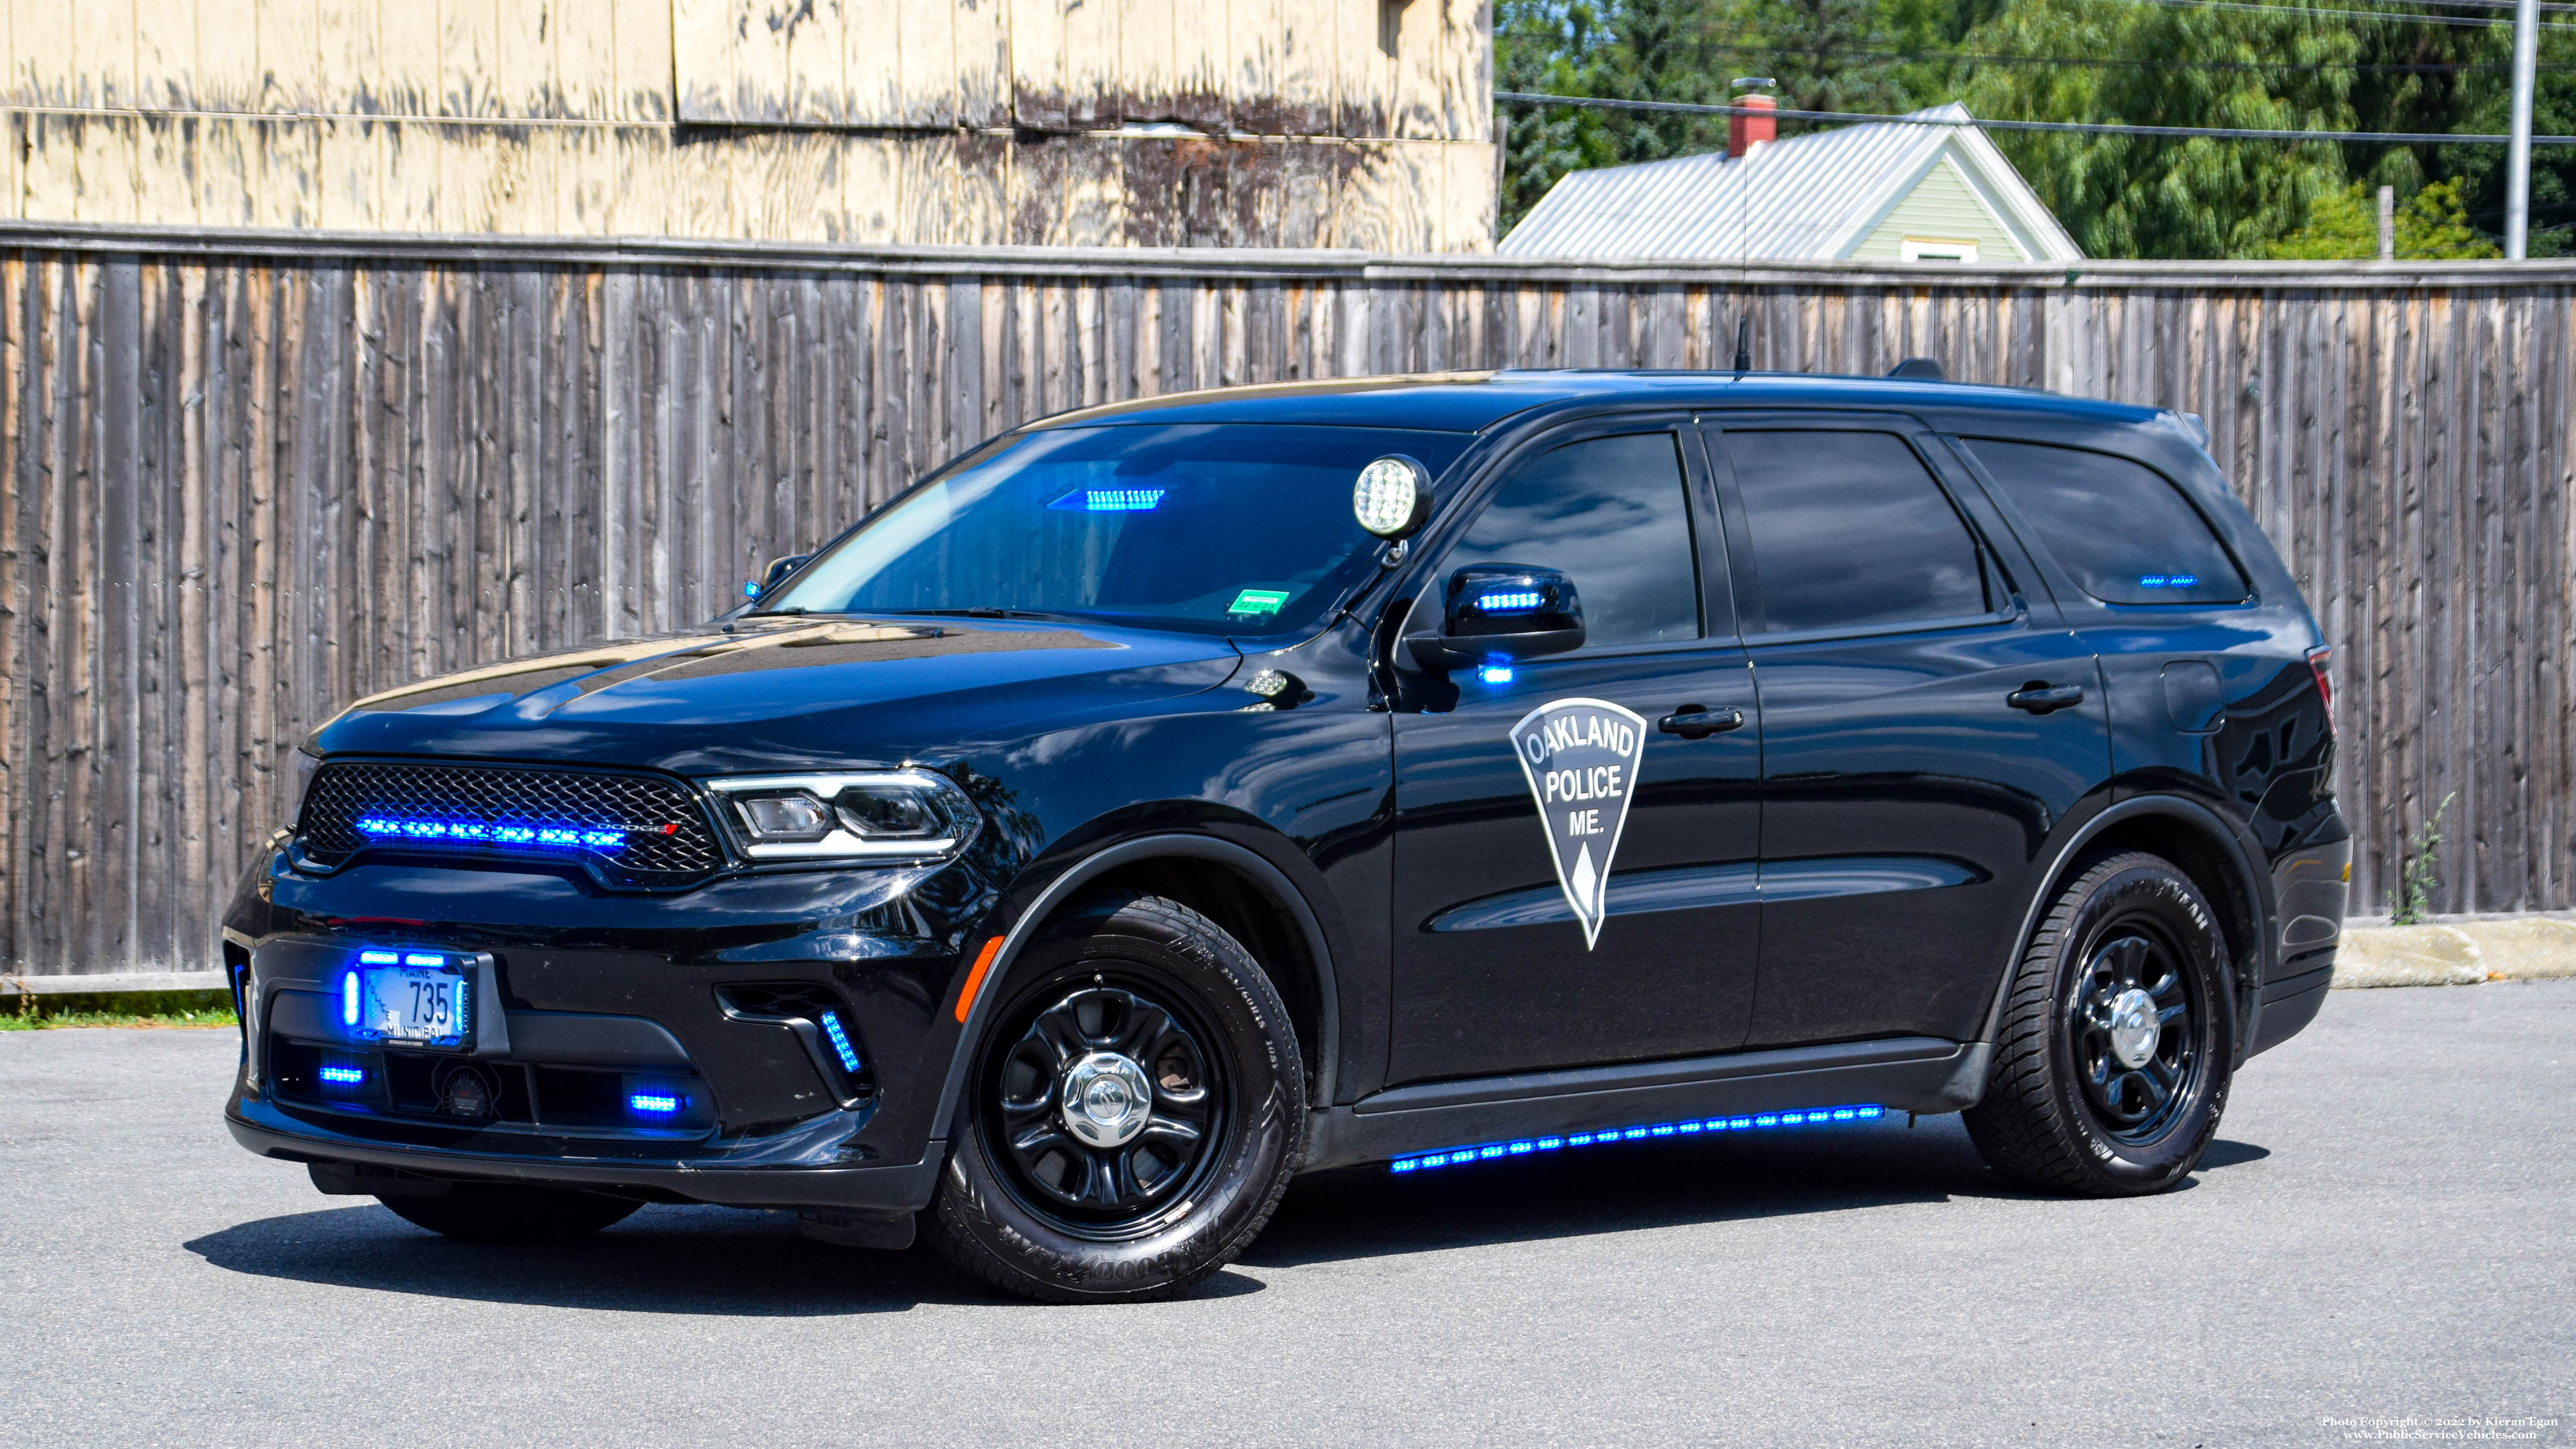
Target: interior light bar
[2167,581]
[540,836]
[1693,1127]
[1112,500]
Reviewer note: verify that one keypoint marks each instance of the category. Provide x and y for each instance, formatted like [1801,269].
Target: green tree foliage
[2134,196]
[2431,225]
[2153,65]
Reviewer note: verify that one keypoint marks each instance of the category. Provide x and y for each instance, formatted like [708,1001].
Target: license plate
[426,1000]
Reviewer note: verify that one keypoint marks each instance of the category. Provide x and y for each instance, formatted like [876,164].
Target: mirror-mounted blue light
[1516,601]
[1495,673]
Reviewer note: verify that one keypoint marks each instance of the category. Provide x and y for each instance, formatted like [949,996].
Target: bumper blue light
[840,1039]
[344,1076]
[1813,1116]
[654,1104]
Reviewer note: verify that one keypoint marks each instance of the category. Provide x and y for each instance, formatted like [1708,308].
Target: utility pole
[2517,161]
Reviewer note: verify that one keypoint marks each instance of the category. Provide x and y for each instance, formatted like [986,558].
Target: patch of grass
[179,1010]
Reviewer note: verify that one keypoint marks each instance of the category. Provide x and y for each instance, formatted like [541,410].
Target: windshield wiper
[979,611]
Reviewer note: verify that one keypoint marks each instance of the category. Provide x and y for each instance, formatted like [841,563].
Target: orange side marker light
[975,977]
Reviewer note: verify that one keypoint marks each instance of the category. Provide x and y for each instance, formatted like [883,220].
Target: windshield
[1224,528]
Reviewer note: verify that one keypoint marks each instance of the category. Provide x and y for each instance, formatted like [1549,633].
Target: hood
[784,694]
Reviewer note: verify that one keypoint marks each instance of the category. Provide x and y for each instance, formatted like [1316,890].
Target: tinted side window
[2126,534]
[1614,516]
[1850,531]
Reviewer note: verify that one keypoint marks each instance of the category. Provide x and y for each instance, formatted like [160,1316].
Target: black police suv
[1166,798]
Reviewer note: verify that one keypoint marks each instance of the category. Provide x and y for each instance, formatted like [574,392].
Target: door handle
[2041,697]
[1692,722]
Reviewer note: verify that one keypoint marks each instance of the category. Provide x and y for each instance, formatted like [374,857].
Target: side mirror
[778,569]
[1492,611]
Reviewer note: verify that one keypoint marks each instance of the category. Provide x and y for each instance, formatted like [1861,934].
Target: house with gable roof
[1915,191]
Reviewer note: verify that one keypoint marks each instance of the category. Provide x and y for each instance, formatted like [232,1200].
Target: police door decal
[1581,758]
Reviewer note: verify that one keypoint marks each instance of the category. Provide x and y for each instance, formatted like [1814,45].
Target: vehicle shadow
[1368,1211]
[662,1260]
[709,1260]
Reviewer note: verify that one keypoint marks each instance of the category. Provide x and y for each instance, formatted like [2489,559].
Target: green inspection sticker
[1258,601]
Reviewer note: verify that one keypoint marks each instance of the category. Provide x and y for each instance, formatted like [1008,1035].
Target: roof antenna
[1744,343]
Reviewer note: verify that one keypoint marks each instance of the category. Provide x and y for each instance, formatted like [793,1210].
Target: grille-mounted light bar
[537,835]
[1693,1127]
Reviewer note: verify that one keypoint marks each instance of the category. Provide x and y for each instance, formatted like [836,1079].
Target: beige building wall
[1335,123]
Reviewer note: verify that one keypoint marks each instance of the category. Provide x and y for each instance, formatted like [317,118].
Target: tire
[2114,1056]
[1180,1178]
[494,1212]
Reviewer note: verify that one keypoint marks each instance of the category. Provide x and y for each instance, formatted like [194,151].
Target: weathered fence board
[250,477]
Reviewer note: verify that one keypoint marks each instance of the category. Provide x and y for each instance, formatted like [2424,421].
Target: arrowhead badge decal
[1581,758]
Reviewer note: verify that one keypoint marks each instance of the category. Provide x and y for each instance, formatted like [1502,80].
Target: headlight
[877,815]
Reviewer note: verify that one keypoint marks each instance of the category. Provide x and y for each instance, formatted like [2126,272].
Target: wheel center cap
[1107,1099]
[2134,1027]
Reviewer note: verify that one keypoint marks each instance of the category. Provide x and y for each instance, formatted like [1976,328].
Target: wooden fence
[252,476]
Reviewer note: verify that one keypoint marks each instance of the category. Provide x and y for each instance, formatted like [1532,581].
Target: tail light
[2318,659]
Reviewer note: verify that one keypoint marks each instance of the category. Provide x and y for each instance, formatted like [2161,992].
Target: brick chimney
[1743,133]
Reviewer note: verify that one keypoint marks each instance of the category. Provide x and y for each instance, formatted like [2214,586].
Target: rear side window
[1850,531]
[1613,515]
[2126,534]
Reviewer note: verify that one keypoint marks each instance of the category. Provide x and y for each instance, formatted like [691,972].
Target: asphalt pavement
[2379,1244]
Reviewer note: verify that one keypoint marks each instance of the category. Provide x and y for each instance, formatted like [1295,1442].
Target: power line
[1926,57]
[2481,4]
[2472,21]
[2089,128]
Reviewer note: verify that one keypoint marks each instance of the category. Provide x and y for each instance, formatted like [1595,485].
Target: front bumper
[582,998]
[264,1129]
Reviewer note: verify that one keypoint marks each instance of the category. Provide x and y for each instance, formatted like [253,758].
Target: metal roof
[1812,197]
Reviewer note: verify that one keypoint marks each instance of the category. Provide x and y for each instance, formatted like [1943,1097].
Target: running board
[1905,1074]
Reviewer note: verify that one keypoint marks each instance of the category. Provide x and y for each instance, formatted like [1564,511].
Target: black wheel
[1134,1114]
[2112,1064]
[497,1212]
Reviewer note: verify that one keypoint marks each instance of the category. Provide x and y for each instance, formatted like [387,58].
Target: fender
[1092,867]
[2257,886]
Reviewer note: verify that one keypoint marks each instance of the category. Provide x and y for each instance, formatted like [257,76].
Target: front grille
[487,810]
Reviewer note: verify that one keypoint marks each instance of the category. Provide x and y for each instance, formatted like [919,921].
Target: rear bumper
[2313,888]
[2288,1007]
[905,1188]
